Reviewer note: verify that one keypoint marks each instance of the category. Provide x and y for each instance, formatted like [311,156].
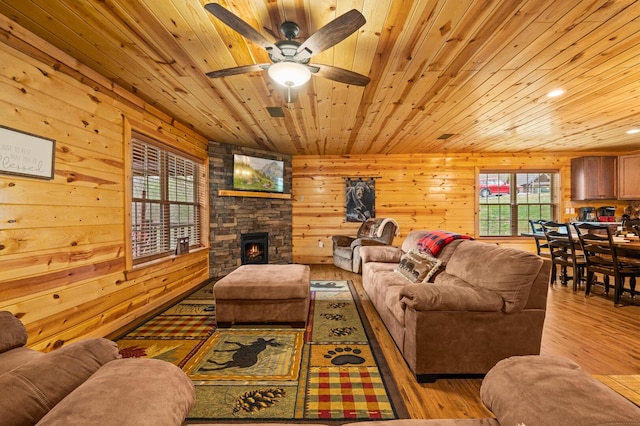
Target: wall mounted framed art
[24,154]
[361,199]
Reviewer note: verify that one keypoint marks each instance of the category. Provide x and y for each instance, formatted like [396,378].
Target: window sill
[141,268]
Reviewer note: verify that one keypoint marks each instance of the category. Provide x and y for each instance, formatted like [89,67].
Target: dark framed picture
[182,246]
[361,199]
[24,154]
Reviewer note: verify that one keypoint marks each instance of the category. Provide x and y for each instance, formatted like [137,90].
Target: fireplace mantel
[257,194]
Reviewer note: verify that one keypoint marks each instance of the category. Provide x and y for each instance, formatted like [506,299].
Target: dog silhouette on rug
[244,356]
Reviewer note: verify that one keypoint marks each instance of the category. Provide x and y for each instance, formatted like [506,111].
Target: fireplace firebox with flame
[254,248]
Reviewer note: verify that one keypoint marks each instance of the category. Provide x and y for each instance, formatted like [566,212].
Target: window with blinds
[165,201]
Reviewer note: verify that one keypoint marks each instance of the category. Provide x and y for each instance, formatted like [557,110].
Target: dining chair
[542,248]
[631,257]
[564,254]
[602,257]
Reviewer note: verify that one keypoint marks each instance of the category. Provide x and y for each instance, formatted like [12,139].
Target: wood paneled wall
[426,191]
[62,241]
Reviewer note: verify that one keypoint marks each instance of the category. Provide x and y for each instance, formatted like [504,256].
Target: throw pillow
[418,266]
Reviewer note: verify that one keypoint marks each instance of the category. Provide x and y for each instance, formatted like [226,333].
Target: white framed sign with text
[24,154]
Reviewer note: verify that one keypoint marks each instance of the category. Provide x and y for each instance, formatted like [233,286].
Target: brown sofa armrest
[366,242]
[525,390]
[13,334]
[429,297]
[385,254]
[341,240]
[37,386]
[128,391]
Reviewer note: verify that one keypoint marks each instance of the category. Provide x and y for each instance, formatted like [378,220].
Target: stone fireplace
[254,248]
[232,216]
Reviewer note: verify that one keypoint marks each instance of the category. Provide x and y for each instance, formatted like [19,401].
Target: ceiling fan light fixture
[289,74]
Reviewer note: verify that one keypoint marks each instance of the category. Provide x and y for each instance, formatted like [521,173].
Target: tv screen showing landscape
[257,174]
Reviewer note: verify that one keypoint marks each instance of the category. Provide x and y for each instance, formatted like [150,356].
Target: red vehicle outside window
[493,187]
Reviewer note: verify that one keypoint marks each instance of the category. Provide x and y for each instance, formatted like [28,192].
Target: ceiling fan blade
[332,33]
[339,74]
[237,70]
[241,27]
[271,33]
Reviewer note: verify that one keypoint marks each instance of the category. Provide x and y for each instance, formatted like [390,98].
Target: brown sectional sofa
[537,391]
[487,303]
[86,383]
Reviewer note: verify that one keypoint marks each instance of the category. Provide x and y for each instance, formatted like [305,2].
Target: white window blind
[165,200]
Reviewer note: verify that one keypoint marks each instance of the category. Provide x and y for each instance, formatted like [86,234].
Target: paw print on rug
[333,317]
[337,305]
[342,331]
[344,356]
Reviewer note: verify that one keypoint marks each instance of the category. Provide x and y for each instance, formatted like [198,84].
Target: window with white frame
[508,200]
[166,192]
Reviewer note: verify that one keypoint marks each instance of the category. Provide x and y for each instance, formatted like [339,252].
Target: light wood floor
[602,339]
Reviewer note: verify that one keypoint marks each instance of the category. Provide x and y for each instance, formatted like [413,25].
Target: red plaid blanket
[434,241]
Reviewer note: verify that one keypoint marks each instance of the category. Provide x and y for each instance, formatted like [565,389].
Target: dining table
[629,244]
[629,247]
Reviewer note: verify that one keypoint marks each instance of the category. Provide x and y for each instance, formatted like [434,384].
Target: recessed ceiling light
[555,93]
[633,131]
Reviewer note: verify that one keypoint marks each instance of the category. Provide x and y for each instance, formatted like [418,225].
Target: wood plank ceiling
[479,70]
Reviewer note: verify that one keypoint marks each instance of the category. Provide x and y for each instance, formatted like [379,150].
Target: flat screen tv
[257,174]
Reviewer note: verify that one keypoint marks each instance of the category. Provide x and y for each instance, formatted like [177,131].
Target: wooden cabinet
[594,178]
[629,177]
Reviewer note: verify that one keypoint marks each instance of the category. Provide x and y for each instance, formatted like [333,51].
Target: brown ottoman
[263,294]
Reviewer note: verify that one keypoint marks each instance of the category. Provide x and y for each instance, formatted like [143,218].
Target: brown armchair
[372,232]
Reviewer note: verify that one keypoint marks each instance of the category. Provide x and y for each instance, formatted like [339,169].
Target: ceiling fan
[290,60]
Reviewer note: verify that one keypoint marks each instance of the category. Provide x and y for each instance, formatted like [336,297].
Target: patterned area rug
[332,370]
